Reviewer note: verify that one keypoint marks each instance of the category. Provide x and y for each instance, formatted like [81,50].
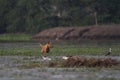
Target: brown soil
[87,62]
[104,32]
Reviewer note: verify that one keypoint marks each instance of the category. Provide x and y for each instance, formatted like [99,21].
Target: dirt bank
[77,61]
[104,32]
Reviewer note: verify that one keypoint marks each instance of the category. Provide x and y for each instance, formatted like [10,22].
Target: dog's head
[49,44]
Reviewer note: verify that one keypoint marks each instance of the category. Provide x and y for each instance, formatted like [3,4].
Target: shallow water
[10,70]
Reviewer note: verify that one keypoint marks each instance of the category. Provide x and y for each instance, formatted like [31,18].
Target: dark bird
[108,52]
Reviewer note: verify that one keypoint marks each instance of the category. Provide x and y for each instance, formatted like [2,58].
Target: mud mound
[61,33]
[77,33]
[103,32]
[87,62]
[55,33]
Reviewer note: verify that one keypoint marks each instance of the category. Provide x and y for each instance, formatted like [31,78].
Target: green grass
[20,52]
[15,37]
[87,50]
[12,47]
[112,78]
[59,50]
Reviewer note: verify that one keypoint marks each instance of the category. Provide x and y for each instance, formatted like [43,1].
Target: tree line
[31,16]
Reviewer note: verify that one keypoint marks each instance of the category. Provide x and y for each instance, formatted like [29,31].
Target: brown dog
[46,48]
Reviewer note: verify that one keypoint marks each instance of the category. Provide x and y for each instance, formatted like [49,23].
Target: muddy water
[10,70]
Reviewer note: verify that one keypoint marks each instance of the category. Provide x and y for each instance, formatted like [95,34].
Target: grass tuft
[15,37]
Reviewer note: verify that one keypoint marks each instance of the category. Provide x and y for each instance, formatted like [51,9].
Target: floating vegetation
[87,62]
[30,65]
[74,62]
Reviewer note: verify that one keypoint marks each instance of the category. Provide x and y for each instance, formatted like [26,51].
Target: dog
[46,48]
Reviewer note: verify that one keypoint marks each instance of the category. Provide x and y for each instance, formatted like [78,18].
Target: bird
[46,58]
[109,52]
[65,57]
